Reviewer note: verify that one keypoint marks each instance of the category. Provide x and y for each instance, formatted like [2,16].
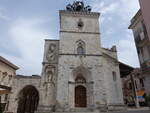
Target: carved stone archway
[28,100]
[81,76]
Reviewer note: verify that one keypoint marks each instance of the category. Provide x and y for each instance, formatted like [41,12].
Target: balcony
[141,39]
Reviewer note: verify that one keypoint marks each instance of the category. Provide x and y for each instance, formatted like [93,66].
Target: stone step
[69,112]
[81,110]
[43,112]
[76,112]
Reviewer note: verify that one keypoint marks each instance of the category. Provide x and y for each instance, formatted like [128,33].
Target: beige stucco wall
[6,80]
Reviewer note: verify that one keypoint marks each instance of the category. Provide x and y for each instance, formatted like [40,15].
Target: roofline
[2,59]
[126,65]
[135,18]
[31,77]
[115,59]
[109,49]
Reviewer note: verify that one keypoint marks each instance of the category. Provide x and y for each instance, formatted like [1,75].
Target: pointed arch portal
[80,96]
[28,100]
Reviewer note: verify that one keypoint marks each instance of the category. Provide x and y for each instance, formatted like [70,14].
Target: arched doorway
[80,96]
[28,100]
[82,87]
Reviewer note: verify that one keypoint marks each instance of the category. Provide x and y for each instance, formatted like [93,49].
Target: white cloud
[123,8]
[118,14]
[28,37]
[103,7]
[127,52]
[128,9]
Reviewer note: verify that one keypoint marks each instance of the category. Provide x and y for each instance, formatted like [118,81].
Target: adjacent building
[133,87]
[144,4]
[7,74]
[140,26]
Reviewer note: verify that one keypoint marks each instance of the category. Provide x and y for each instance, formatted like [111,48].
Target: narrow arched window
[80,50]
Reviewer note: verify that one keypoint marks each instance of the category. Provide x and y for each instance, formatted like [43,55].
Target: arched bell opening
[28,100]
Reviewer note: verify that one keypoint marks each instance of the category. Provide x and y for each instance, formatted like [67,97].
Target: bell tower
[79,46]
[77,22]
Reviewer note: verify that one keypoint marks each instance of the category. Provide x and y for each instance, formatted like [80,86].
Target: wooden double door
[80,96]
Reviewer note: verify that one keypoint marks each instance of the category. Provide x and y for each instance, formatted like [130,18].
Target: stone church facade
[77,73]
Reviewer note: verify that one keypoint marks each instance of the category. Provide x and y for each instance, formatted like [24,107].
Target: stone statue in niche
[51,54]
[49,87]
[50,71]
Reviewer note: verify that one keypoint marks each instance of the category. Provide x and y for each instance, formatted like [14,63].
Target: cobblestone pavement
[142,111]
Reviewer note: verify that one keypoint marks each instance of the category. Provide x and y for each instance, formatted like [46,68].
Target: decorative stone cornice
[74,13]
[80,55]
[80,32]
[72,82]
[136,19]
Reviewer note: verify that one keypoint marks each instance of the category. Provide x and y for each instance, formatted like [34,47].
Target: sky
[24,24]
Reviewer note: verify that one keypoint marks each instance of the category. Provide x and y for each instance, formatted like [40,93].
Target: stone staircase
[100,109]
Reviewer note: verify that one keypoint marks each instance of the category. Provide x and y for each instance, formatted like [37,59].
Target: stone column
[49,77]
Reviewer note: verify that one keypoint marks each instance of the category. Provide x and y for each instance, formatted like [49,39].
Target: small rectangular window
[142,82]
[114,76]
[130,85]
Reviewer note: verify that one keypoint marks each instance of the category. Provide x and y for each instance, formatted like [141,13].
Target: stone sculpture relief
[51,54]
[49,72]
